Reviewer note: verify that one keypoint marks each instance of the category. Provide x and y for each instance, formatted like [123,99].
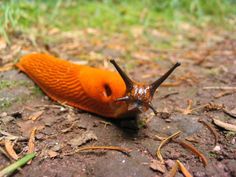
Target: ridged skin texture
[90,89]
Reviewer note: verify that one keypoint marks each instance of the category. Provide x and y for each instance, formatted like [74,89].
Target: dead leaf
[10,150]
[26,126]
[7,67]
[52,153]
[213,106]
[82,139]
[224,125]
[156,165]
[35,115]
[31,143]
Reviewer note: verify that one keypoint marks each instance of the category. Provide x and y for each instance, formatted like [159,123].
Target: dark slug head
[139,95]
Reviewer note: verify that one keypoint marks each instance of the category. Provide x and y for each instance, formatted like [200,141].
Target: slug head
[139,95]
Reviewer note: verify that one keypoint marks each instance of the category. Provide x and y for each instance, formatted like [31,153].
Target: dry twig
[114,148]
[229,113]
[158,153]
[194,150]
[212,130]
[183,169]
[224,125]
[219,88]
[224,93]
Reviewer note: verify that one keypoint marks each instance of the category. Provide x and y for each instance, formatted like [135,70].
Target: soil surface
[210,62]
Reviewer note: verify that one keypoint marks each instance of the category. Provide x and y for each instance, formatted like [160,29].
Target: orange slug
[102,92]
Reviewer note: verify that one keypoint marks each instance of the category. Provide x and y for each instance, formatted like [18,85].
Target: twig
[224,93]
[69,128]
[114,148]
[171,84]
[183,169]
[169,94]
[160,138]
[219,88]
[224,125]
[226,111]
[211,130]
[13,137]
[194,150]
[158,153]
[19,163]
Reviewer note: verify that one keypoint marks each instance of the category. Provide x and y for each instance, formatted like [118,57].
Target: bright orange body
[90,89]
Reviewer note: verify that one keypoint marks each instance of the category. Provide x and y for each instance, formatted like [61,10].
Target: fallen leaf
[26,126]
[52,153]
[214,106]
[224,125]
[10,150]
[35,115]
[7,67]
[156,165]
[31,143]
[82,139]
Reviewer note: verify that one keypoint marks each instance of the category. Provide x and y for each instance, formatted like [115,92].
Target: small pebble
[4,114]
[233,141]
[217,148]
[7,119]
[39,136]
[170,163]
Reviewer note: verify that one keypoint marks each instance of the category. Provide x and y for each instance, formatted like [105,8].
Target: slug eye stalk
[141,94]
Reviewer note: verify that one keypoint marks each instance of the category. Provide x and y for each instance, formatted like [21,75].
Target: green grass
[10,83]
[109,15]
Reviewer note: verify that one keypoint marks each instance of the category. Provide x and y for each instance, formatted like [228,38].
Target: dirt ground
[209,62]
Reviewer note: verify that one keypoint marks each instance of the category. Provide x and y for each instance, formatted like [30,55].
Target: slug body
[90,89]
[106,93]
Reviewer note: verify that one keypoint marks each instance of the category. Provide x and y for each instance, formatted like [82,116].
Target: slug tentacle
[159,81]
[127,80]
[139,95]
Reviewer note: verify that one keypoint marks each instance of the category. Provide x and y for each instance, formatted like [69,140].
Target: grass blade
[19,163]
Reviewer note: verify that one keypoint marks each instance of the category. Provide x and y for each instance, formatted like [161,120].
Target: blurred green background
[113,15]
